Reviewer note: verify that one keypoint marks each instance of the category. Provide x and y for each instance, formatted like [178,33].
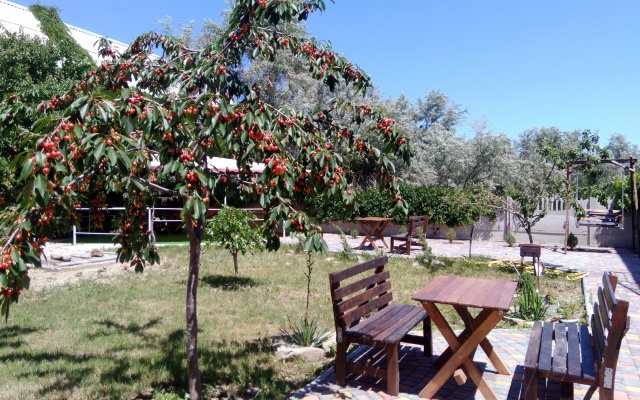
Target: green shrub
[231,228]
[530,305]
[572,240]
[304,332]
[347,252]
[451,235]
[427,256]
[354,233]
[510,239]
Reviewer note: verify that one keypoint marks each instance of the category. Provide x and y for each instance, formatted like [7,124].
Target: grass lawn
[123,336]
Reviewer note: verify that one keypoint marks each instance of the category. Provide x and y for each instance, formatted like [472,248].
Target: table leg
[367,234]
[485,344]
[462,348]
[368,231]
[379,232]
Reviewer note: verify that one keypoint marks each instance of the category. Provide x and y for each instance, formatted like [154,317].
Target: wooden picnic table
[373,228]
[493,298]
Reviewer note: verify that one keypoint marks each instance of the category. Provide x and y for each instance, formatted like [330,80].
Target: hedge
[453,207]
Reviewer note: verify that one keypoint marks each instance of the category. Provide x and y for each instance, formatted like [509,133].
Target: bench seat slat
[391,319]
[586,353]
[531,359]
[389,325]
[544,361]
[412,318]
[367,324]
[573,350]
[560,350]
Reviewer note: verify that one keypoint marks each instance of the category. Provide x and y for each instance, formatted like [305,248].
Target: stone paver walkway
[510,344]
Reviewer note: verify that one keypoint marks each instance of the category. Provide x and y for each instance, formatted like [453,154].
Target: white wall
[549,230]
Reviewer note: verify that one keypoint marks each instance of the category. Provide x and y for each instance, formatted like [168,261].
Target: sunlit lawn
[123,336]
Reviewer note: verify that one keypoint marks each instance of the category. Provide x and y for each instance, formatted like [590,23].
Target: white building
[14,17]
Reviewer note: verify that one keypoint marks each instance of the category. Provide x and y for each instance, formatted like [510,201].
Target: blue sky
[572,64]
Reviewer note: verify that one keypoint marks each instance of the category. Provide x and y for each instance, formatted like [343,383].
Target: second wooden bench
[569,353]
[363,313]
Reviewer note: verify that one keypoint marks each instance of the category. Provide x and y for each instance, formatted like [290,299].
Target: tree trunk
[235,263]
[195,247]
[528,230]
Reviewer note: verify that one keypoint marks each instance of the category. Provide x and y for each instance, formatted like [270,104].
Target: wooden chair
[411,236]
[567,352]
[355,299]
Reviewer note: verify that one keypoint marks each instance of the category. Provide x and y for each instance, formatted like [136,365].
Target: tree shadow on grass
[230,366]
[12,336]
[113,363]
[230,283]
[110,327]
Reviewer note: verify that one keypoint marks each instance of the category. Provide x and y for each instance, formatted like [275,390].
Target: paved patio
[510,344]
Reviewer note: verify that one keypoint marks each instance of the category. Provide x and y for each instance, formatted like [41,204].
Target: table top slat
[455,294]
[433,288]
[373,219]
[506,295]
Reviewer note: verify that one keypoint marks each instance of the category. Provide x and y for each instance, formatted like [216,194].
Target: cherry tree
[144,126]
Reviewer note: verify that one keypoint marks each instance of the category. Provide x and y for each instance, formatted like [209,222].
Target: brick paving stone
[511,345]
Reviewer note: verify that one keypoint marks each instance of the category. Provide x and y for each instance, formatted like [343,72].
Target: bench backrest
[609,323]
[354,299]
[417,222]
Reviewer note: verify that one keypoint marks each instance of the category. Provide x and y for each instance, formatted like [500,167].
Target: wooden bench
[569,353]
[358,292]
[411,236]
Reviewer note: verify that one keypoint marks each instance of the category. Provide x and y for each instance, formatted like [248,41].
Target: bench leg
[530,384]
[341,363]
[566,390]
[428,339]
[605,394]
[393,371]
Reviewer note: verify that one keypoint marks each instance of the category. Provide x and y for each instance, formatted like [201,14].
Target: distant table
[373,228]
[493,297]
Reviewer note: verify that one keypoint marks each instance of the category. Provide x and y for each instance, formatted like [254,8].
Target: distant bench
[411,237]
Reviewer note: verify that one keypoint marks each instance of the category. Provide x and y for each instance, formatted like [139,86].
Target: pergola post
[566,207]
[634,207]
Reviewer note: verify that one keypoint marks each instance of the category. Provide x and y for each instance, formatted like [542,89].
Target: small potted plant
[451,235]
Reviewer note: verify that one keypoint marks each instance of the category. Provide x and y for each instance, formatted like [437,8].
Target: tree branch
[156,187]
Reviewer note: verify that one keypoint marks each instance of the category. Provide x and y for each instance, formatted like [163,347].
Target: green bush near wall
[452,207]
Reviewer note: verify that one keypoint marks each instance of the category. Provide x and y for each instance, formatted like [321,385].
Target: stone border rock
[284,351]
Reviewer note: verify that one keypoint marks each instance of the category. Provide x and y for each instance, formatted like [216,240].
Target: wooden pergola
[622,163]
